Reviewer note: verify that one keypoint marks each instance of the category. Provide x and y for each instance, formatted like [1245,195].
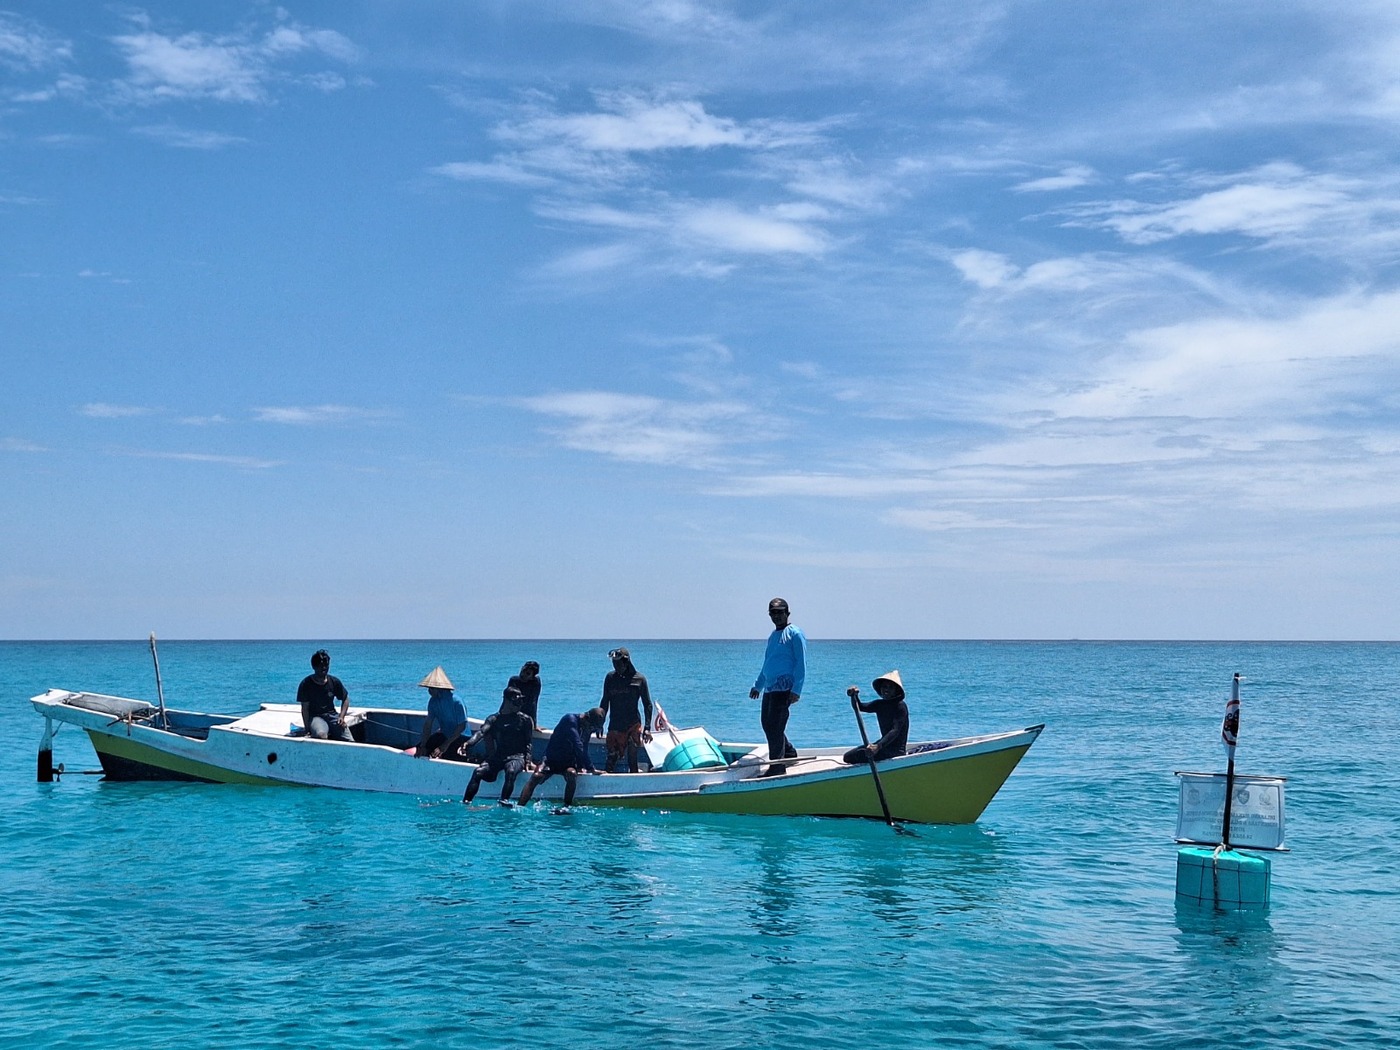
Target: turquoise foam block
[1228,880]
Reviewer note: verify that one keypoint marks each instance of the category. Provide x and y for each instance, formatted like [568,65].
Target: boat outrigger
[686,770]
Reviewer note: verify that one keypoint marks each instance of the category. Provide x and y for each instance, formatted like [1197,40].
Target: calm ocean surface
[180,915]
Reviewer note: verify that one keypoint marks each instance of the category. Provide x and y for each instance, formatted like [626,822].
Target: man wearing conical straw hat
[893,714]
[447,718]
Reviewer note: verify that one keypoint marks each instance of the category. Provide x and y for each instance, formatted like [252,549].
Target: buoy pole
[1229,733]
[46,754]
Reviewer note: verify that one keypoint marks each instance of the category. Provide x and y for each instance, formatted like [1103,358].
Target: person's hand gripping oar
[854,694]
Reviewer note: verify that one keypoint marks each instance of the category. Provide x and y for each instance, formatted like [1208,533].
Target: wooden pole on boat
[160,689]
[864,739]
[1229,733]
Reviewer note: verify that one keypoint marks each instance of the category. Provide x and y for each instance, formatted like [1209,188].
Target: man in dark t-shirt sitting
[317,695]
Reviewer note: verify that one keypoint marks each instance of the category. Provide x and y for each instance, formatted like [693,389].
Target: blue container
[1228,880]
[700,752]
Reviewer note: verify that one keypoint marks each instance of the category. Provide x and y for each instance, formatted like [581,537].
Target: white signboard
[1256,810]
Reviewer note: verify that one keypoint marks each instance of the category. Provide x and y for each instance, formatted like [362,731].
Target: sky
[615,319]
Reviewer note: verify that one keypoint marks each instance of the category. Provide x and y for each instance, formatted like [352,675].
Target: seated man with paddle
[508,735]
[566,754]
[893,715]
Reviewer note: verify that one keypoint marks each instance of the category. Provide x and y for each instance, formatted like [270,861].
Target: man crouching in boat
[508,734]
[447,717]
[893,714]
[317,695]
[566,754]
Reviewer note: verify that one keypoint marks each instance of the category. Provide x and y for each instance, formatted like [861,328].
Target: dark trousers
[774,716]
[488,771]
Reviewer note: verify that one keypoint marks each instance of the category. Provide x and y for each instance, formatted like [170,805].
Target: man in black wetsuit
[317,695]
[508,735]
[528,682]
[624,689]
[893,714]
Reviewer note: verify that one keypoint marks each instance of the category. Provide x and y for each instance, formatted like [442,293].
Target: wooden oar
[879,788]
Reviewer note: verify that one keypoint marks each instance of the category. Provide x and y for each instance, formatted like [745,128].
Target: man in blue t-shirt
[447,718]
[780,682]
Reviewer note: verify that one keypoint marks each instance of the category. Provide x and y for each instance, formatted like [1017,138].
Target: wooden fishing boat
[944,782]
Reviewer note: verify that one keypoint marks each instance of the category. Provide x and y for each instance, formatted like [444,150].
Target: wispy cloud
[188,138]
[233,67]
[1276,203]
[1072,177]
[12,444]
[25,45]
[240,462]
[642,429]
[640,168]
[104,410]
[320,415]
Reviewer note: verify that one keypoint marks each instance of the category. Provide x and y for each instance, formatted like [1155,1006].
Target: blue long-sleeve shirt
[784,662]
[567,748]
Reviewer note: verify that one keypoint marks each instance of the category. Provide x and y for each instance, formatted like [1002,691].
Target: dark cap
[778,603]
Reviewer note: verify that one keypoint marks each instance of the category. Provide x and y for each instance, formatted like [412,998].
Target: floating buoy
[1222,878]
[1231,810]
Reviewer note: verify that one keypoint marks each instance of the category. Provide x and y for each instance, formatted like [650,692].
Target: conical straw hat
[893,676]
[437,680]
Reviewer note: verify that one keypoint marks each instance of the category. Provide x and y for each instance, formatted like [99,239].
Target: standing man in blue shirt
[780,682]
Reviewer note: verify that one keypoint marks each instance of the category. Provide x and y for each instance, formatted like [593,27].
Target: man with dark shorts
[893,714]
[317,695]
[780,682]
[508,735]
[624,689]
[566,754]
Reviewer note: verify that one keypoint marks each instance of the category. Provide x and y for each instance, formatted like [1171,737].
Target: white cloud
[631,124]
[103,410]
[27,46]
[509,172]
[242,462]
[726,226]
[1274,203]
[1072,177]
[984,269]
[237,67]
[642,429]
[319,415]
[188,138]
[1329,356]
[11,444]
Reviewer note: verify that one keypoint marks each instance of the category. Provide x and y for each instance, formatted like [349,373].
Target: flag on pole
[660,721]
[1230,728]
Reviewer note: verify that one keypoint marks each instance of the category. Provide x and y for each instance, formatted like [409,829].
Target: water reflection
[1232,961]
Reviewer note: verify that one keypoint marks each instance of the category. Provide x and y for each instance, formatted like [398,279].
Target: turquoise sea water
[180,915]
